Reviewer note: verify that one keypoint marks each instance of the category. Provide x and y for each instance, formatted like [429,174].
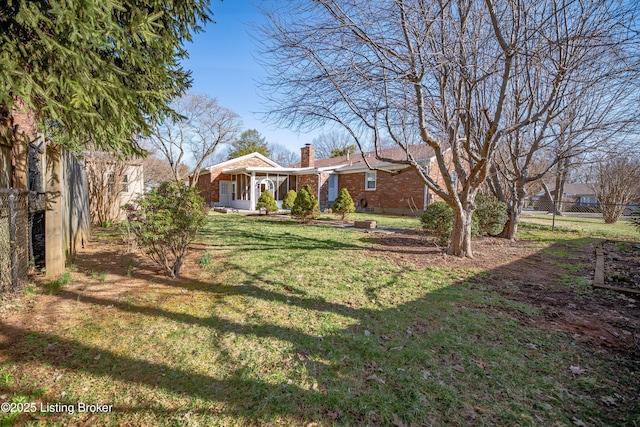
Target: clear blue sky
[223,64]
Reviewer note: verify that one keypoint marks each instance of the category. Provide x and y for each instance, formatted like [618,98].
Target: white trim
[366,181]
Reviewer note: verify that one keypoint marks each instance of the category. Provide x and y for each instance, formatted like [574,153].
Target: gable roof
[573,190]
[230,162]
[419,152]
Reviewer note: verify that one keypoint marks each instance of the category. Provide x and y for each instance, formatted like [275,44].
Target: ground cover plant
[279,323]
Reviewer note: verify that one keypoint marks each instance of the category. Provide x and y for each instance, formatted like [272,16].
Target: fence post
[12,242]
[553,221]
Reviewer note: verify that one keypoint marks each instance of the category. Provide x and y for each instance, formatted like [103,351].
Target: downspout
[319,179]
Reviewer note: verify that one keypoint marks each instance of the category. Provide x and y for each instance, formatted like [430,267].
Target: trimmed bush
[437,220]
[289,199]
[306,205]
[491,215]
[165,222]
[267,202]
[343,204]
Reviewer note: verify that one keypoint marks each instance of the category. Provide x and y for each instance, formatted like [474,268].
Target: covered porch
[245,185]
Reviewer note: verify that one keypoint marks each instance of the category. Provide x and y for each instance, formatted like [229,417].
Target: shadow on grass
[416,363]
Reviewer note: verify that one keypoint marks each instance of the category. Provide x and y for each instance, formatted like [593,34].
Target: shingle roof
[419,152]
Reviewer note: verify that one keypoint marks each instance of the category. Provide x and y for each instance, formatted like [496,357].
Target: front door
[225,193]
[333,187]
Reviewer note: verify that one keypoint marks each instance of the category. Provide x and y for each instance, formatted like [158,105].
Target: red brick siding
[24,123]
[311,181]
[307,156]
[324,190]
[402,193]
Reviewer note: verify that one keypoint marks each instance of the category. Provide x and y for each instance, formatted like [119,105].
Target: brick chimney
[307,156]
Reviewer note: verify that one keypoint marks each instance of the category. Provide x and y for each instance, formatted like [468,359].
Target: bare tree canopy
[204,125]
[459,76]
[617,183]
[157,170]
[326,143]
[282,155]
[589,122]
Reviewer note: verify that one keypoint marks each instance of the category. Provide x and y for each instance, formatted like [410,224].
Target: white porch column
[252,192]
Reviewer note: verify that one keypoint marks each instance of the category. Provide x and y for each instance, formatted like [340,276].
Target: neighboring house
[132,187]
[389,188]
[112,184]
[574,196]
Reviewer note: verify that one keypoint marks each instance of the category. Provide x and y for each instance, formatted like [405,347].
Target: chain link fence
[577,207]
[15,242]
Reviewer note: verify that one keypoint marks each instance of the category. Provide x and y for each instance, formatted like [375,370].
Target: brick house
[388,188]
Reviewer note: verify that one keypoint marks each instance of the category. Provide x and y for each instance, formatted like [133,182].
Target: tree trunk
[561,179]
[514,209]
[510,229]
[461,234]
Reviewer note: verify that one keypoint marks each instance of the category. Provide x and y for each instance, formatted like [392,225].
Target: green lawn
[405,222]
[301,326]
[587,224]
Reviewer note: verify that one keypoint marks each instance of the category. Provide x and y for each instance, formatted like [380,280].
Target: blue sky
[223,65]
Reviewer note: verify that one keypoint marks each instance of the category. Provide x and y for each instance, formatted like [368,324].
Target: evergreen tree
[343,204]
[250,141]
[267,202]
[306,205]
[289,199]
[94,71]
[339,152]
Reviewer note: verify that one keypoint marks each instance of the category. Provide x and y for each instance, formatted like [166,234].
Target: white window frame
[366,180]
[125,183]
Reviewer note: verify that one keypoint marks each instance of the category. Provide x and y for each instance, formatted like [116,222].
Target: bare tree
[326,143]
[105,179]
[444,72]
[203,127]
[335,144]
[282,155]
[158,170]
[586,120]
[617,184]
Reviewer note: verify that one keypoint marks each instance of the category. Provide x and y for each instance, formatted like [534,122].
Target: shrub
[437,219]
[491,215]
[165,221]
[306,205]
[267,202]
[343,204]
[289,199]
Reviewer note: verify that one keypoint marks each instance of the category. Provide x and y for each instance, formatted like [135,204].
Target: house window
[125,183]
[370,181]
